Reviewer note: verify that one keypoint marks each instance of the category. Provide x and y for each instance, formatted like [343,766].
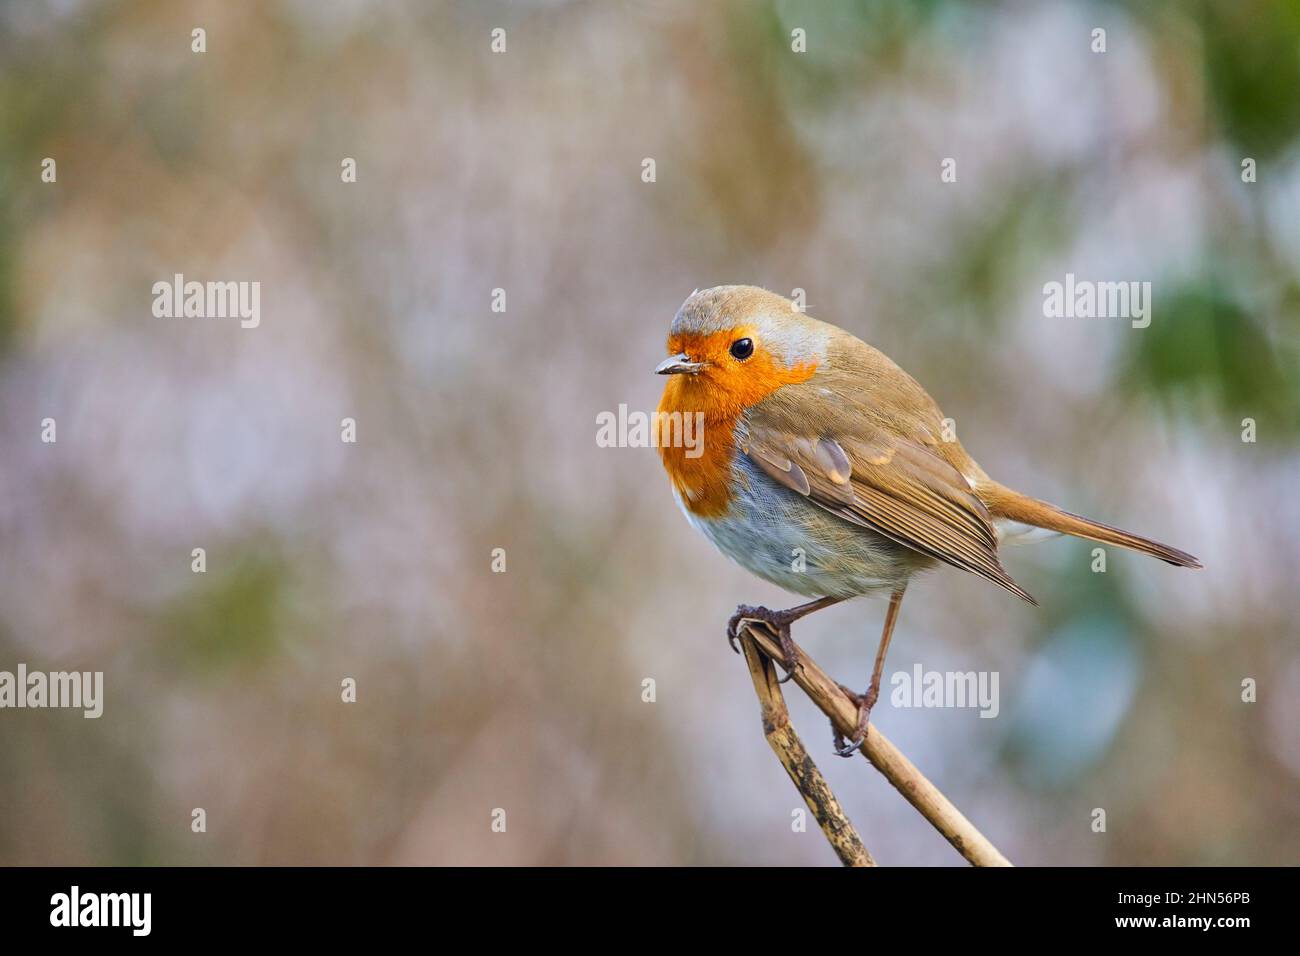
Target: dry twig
[794,757]
[842,710]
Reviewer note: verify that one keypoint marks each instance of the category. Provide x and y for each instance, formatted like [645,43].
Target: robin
[825,468]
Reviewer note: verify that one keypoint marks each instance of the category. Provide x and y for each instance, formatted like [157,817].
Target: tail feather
[1002,502]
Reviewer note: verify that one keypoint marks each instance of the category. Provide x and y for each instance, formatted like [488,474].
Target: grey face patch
[702,312]
[783,330]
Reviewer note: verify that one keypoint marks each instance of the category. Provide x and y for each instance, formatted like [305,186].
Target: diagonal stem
[831,699]
[789,749]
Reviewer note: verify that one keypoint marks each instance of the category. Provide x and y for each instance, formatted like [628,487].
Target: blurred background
[476,429]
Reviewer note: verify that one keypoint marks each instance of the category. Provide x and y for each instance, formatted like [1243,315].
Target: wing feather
[878,477]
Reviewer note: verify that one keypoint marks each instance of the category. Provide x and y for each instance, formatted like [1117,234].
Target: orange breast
[704,482]
[721,393]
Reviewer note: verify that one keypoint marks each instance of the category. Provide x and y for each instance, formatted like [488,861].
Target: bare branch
[844,840]
[842,710]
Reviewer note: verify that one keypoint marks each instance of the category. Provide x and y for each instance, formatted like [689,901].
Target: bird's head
[730,347]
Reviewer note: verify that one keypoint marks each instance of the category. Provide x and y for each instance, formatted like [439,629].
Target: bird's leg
[780,622]
[865,703]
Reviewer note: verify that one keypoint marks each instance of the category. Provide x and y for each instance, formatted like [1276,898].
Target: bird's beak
[677,365]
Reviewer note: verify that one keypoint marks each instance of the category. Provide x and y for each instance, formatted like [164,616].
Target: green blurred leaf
[228,623]
[1203,341]
[1252,68]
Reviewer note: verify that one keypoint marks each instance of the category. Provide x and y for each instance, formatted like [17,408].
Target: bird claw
[849,749]
[733,629]
[865,704]
[779,621]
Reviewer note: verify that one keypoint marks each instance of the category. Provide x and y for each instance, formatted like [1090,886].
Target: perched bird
[824,467]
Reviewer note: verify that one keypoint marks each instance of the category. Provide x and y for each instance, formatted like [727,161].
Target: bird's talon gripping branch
[779,621]
[791,662]
[850,748]
[865,703]
[743,613]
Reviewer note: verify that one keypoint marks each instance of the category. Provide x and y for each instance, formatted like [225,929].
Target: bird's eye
[742,349]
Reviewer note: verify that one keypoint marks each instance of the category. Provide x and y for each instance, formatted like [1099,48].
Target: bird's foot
[779,621]
[865,703]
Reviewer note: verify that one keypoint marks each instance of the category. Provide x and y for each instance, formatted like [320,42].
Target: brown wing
[864,470]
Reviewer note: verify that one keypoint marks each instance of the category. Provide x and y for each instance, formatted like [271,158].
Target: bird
[826,469]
